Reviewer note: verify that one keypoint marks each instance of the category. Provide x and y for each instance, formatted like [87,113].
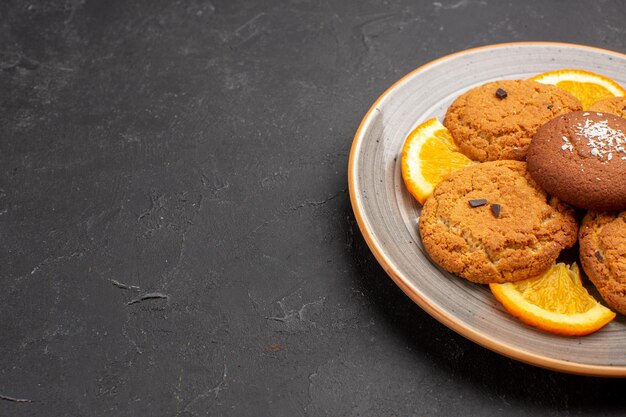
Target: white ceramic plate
[387,214]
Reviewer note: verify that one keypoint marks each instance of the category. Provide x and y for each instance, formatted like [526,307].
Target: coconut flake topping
[602,140]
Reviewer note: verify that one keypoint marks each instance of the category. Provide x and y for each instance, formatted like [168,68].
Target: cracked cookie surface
[522,240]
[603,255]
[487,126]
[613,105]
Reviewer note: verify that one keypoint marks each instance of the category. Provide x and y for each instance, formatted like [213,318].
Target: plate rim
[451,322]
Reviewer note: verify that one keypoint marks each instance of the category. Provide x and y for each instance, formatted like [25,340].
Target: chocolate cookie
[603,255]
[614,105]
[581,158]
[498,120]
[491,222]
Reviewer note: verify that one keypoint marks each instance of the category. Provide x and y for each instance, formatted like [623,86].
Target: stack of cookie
[544,162]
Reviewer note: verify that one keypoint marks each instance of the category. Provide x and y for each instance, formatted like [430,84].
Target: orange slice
[428,155]
[587,86]
[555,301]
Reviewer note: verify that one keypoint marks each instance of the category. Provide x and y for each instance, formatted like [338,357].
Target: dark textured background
[197,150]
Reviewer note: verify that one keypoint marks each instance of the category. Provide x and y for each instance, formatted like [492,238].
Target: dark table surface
[175,227]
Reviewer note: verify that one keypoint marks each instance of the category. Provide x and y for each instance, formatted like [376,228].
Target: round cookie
[498,120]
[613,105]
[603,255]
[517,234]
[581,159]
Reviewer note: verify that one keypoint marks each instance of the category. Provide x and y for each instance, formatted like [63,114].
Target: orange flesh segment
[555,301]
[440,156]
[587,93]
